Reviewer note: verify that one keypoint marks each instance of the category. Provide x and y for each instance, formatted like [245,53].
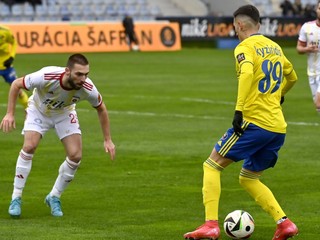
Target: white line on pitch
[189,116]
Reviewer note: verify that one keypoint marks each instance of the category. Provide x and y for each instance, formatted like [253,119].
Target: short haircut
[250,11]
[77,59]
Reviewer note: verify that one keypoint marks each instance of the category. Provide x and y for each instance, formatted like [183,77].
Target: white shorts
[314,82]
[65,124]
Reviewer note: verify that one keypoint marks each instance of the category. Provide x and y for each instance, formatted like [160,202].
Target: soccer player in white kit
[56,90]
[309,43]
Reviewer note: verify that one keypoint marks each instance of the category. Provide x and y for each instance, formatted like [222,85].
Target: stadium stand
[266,7]
[98,10]
[108,10]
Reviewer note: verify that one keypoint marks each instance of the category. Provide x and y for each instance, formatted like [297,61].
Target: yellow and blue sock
[261,194]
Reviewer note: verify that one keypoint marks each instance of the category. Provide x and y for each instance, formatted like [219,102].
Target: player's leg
[211,190]
[9,76]
[23,168]
[317,93]
[135,42]
[249,180]
[72,143]
[264,197]
[69,167]
[131,40]
[35,126]
[67,170]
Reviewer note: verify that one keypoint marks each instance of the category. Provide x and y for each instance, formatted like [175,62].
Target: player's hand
[110,148]
[312,49]
[8,123]
[237,121]
[281,100]
[7,63]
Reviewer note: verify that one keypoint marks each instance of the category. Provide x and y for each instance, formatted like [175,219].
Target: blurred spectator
[287,8]
[128,25]
[9,2]
[298,8]
[309,11]
[12,2]
[34,3]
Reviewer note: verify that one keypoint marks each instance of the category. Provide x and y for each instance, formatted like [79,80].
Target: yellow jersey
[264,75]
[8,45]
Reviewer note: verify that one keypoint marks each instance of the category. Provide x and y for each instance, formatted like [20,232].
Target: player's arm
[244,68]
[8,121]
[303,47]
[290,75]
[105,127]
[244,84]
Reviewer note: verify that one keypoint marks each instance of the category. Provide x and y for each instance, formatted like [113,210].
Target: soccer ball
[238,224]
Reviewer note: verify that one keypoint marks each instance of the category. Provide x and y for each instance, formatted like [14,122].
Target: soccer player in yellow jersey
[264,77]
[8,47]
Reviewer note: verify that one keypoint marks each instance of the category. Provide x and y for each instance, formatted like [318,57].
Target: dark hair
[248,10]
[77,58]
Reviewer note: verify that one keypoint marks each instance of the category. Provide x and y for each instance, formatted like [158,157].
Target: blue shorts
[256,146]
[9,74]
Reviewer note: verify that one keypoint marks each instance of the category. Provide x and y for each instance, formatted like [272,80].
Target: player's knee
[29,148]
[317,101]
[75,157]
[247,180]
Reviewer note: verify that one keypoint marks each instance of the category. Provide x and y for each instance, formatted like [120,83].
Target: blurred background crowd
[102,10]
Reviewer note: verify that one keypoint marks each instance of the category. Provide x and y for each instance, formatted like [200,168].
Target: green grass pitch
[167,110]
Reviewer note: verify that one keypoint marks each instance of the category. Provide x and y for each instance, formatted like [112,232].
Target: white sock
[67,171]
[23,168]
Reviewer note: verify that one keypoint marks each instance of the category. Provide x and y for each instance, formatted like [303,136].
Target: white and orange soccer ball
[238,224]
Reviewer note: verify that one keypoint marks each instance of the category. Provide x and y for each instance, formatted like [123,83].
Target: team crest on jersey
[224,137]
[75,99]
[240,57]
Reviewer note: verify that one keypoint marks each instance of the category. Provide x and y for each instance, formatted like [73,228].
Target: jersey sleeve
[290,76]
[33,80]
[244,67]
[302,34]
[94,97]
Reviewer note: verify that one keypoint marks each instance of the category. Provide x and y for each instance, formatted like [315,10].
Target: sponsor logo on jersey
[224,137]
[75,99]
[53,104]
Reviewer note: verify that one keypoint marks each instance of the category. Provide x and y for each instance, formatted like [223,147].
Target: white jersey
[310,34]
[51,98]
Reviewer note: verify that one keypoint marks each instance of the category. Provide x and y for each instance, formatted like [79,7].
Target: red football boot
[209,230]
[285,230]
